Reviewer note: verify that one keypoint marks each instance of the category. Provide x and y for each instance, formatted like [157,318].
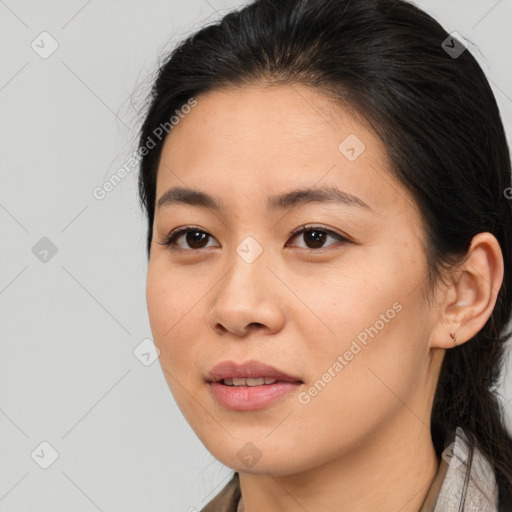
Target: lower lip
[251,398]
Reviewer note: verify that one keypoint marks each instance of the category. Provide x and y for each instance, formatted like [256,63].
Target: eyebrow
[288,200]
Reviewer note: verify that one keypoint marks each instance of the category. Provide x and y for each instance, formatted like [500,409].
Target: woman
[330,255]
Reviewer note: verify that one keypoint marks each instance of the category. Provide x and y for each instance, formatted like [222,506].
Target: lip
[249,398]
[249,369]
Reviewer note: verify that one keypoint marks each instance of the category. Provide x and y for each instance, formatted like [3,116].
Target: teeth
[255,382]
[241,381]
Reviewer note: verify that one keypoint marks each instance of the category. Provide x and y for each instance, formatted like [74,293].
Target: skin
[298,309]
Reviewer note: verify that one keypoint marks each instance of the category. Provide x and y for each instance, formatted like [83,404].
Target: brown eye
[194,238]
[315,237]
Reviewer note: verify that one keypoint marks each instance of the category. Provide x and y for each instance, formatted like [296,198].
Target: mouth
[249,373]
[241,381]
[249,386]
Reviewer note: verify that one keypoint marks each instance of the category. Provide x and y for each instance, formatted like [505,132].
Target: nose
[247,299]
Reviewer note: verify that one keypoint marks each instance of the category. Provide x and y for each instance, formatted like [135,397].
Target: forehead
[278,115]
[268,138]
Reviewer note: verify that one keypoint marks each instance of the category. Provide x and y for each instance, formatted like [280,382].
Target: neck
[391,470]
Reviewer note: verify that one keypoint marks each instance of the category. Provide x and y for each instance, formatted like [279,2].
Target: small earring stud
[453,337]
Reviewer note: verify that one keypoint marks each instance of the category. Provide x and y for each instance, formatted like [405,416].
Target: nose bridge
[248,266]
[242,297]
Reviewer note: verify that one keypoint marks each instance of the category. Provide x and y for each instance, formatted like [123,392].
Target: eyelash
[170,240]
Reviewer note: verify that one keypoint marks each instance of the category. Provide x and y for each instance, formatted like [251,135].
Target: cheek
[360,383]
[371,326]
[171,329]
[171,315]
[347,302]
[170,298]
[176,309]
[160,304]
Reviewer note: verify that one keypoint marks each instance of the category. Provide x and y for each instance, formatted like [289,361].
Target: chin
[248,458]
[267,468]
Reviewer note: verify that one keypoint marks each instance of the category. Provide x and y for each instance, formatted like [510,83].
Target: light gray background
[69,326]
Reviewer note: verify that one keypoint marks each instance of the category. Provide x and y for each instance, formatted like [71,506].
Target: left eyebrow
[325,194]
[288,200]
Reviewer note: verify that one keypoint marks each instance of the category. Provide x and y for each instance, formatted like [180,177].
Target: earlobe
[470,300]
[453,335]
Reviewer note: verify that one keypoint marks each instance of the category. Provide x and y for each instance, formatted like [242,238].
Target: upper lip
[249,369]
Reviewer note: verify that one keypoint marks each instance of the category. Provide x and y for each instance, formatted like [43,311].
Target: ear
[466,306]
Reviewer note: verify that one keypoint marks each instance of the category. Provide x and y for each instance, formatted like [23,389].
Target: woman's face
[339,307]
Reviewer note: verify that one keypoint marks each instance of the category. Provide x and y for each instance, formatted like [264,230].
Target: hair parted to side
[443,134]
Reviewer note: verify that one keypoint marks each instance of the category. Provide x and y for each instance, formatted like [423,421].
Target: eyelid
[320,227]
[170,239]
